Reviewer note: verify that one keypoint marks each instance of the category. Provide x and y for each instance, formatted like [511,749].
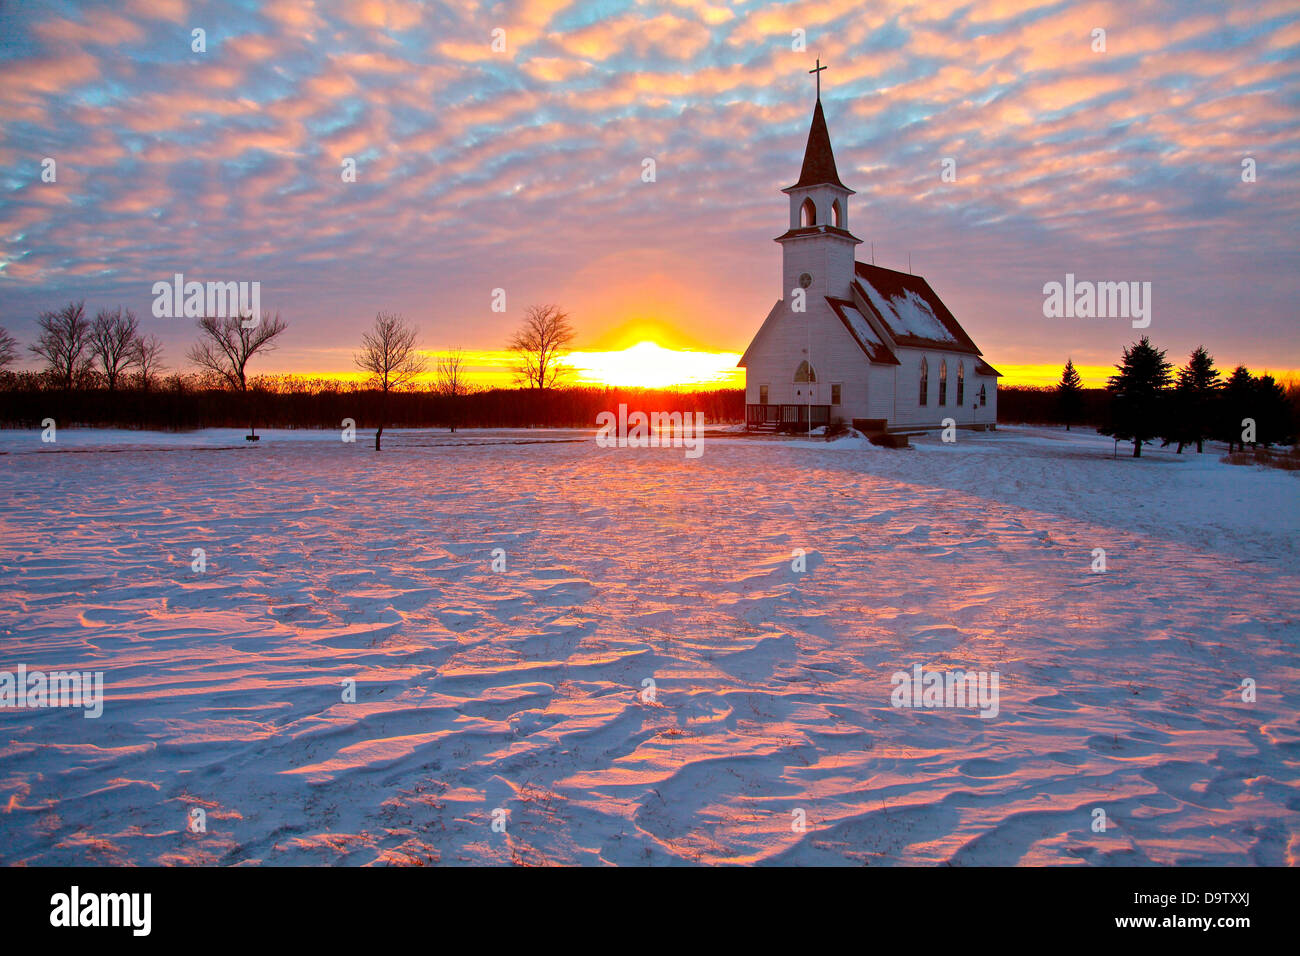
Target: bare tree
[227,346]
[64,338]
[148,360]
[389,354]
[540,344]
[451,380]
[8,348]
[114,343]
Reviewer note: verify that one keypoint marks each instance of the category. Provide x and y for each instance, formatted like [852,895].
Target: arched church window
[983,397]
[943,382]
[805,372]
[925,381]
[961,384]
[836,215]
[808,213]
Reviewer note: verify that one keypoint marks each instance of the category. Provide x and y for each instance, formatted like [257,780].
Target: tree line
[105,372]
[1146,400]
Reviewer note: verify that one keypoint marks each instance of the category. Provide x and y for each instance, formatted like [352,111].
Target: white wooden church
[853,341]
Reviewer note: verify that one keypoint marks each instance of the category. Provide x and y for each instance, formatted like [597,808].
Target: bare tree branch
[389,354]
[8,348]
[449,375]
[226,347]
[540,344]
[114,343]
[451,379]
[63,341]
[148,360]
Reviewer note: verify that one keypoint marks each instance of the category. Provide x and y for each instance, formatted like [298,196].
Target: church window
[805,372]
[835,393]
[943,382]
[808,213]
[762,394]
[961,384]
[835,215]
[983,399]
[925,381]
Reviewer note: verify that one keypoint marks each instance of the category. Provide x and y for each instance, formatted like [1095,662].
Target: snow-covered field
[524,690]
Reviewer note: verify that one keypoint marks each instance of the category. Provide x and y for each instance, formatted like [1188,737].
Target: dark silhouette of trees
[1137,395]
[63,341]
[8,348]
[540,344]
[1274,421]
[388,353]
[223,392]
[1193,407]
[1069,394]
[226,346]
[1255,411]
[148,361]
[114,343]
[1236,404]
[451,380]
[1040,405]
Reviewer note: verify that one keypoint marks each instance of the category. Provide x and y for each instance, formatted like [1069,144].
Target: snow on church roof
[861,330]
[910,311]
[909,315]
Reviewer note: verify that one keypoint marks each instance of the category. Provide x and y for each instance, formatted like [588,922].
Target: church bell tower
[818,251]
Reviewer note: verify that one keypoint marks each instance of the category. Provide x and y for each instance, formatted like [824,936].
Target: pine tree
[1273,412]
[1138,394]
[1191,413]
[1236,404]
[1069,394]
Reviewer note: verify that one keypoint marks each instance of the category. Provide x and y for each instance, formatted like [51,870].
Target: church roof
[863,333]
[910,311]
[818,230]
[818,160]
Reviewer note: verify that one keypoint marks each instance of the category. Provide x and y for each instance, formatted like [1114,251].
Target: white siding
[828,259]
[834,356]
[869,391]
[988,415]
[910,413]
[880,392]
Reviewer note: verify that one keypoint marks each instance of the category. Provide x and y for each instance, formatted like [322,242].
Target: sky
[504,146]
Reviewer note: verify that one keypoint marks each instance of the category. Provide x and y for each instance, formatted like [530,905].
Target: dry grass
[1288,459]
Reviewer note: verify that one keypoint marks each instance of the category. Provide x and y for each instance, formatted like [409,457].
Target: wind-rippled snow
[522,690]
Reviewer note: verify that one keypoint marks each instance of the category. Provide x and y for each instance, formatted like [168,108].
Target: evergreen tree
[1192,409]
[1137,395]
[1236,404]
[1069,394]
[1273,413]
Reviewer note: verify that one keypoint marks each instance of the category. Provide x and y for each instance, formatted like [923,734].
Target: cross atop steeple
[818,72]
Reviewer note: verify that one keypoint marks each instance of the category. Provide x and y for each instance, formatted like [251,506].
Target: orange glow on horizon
[1093,376]
[646,364]
[649,364]
[1096,376]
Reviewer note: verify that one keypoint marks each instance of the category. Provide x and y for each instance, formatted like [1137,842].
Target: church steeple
[818,249]
[818,158]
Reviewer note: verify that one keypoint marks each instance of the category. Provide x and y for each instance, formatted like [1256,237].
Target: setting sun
[650,365]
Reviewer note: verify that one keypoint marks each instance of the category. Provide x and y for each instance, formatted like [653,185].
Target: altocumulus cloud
[478,169]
